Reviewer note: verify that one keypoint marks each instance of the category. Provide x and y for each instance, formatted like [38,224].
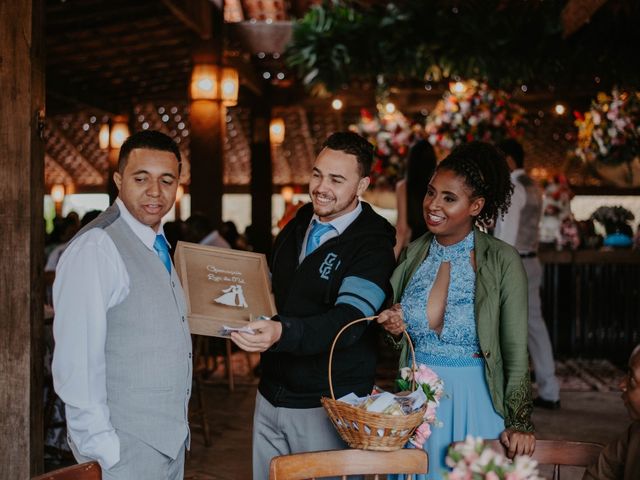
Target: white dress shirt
[507,228]
[339,225]
[90,279]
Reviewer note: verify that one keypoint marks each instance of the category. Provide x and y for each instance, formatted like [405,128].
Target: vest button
[189,355]
[173,284]
[183,318]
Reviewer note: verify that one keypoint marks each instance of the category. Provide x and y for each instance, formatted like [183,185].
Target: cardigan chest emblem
[329,263]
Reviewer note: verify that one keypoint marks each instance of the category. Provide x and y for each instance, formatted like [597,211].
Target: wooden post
[207,134]
[261,175]
[208,123]
[21,237]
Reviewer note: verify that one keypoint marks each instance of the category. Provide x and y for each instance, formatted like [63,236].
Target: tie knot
[162,249]
[317,231]
[160,245]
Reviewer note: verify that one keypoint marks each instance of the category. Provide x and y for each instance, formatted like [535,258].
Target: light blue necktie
[317,230]
[162,249]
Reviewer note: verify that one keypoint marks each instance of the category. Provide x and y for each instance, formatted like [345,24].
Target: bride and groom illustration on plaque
[232,296]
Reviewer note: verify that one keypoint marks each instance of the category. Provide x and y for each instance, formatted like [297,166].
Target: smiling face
[448,207]
[630,386]
[147,185]
[335,184]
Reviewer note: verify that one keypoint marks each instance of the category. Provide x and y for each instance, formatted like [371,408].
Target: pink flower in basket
[433,388]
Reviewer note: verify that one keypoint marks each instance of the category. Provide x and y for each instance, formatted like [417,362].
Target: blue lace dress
[466,407]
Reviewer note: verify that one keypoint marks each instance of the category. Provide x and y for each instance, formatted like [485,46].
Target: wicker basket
[370,430]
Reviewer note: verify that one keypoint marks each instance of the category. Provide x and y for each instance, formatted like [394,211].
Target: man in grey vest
[122,359]
[519,228]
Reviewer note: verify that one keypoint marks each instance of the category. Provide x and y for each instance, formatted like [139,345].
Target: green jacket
[501,321]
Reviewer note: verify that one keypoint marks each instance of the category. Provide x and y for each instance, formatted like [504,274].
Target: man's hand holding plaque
[266,333]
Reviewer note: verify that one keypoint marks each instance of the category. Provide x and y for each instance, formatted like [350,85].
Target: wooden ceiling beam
[80,18]
[578,12]
[60,92]
[257,37]
[194,14]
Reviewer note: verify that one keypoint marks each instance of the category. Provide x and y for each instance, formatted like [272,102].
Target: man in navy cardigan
[330,265]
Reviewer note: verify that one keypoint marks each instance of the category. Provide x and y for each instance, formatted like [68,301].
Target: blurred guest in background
[410,192]
[200,229]
[519,228]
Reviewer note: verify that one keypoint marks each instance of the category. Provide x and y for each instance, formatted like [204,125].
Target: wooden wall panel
[21,237]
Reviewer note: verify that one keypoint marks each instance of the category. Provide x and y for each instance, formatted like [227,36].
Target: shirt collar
[517,173]
[343,221]
[145,233]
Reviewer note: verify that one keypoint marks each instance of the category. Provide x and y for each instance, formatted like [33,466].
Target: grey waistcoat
[148,347]
[527,239]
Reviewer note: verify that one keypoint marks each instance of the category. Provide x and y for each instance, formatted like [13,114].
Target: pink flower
[426,375]
[430,414]
[491,476]
[422,433]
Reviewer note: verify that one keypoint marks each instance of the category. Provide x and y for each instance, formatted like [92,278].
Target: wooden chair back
[559,453]
[332,463]
[83,471]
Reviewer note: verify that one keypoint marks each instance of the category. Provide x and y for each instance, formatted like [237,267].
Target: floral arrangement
[391,135]
[610,131]
[475,112]
[613,218]
[433,387]
[556,208]
[474,460]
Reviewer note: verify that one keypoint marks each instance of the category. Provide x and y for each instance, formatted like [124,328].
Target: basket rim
[367,319]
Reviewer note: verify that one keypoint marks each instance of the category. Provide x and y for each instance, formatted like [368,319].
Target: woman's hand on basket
[518,443]
[266,333]
[391,320]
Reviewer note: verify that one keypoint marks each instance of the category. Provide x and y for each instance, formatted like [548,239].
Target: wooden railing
[591,302]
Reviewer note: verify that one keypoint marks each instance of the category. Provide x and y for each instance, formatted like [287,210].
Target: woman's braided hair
[485,171]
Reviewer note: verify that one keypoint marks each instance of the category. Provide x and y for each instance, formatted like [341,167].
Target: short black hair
[151,139]
[512,148]
[485,171]
[353,144]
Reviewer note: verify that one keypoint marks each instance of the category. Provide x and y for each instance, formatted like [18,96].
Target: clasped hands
[391,320]
[267,332]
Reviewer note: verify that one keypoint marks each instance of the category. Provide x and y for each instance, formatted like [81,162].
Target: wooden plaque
[223,287]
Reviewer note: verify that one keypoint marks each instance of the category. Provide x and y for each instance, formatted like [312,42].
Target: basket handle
[366,319]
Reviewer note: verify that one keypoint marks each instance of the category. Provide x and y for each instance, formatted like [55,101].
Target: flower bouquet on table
[474,460]
[615,221]
[556,209]
[433,387]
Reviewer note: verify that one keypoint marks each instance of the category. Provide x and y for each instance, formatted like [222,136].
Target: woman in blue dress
[462,297]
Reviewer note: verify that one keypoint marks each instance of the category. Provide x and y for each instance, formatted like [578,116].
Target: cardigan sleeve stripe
[362,294]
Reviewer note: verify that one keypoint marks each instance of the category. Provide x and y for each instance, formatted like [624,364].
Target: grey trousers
[538,339]
[281,431]
[139,461]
